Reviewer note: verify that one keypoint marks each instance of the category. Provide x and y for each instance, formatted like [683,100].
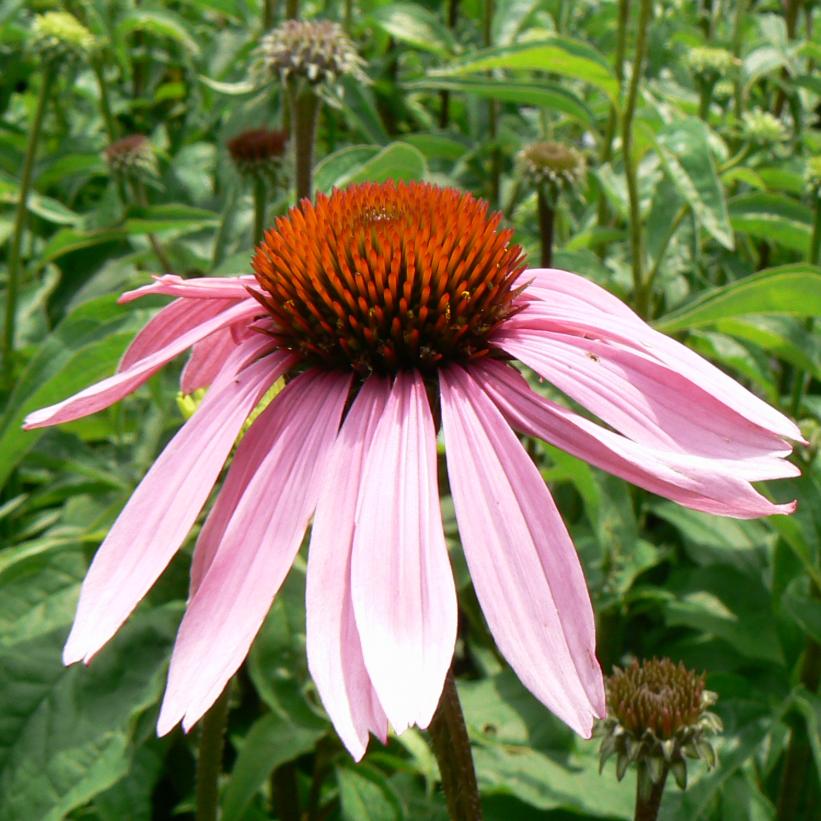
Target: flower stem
[259,211]
[304,106]
[291,9]
[546,219]
[641,293]
[156,246]
[451,746]
[492,111]
[648,794]
[209,758]
[12,281]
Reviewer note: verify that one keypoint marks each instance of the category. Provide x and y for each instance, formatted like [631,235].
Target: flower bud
[551,163]
[762,128]
[58,36]
[259,153]
[132,156]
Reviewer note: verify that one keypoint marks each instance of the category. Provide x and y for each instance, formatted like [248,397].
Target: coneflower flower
[131,157]
[393,307]
[258,153]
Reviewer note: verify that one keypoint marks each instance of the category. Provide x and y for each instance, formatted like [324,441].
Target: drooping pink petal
[522,562]
[649,402]
[708,485]
[207,358]
[110,390]
[404,598]
[567,303]
[195,288]
[295,433]
[170,322]
[334,649]
[161,511]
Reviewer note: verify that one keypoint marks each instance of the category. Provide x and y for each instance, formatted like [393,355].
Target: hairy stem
[648,800]
[546,220]
[259,211]
[13,276]
[209,758]
[640,291]
[304,107]
[451,746]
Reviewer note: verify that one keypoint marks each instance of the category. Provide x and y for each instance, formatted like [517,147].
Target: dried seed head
[551,163]
[384,277]
[711,63]
[259,153]
[763,128]
[657,715]
[132,156]
[58,36]
[315,51]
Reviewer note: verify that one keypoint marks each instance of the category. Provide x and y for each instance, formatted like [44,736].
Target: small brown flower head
[132,156]
[385,277]
[551,164]
[59,37]
[259,153]
[657,715]
[317,52]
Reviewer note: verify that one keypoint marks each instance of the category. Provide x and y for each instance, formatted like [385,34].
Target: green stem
[640,291]
[451,746]
[738,40]
[156,246]
[546,220]
[12,282]
[259,211]
[209,758]
[291,9]
[648,796]
[304,107]
[269,13]
[705,97]
[105,105]
[285,793]
[492,112]
[815,242]
[735,160]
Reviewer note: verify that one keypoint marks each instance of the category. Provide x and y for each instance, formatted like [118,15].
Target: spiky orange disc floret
[383,277]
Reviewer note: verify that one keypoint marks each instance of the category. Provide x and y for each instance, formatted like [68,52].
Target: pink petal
[334,650]
[196,288]
[649,402]
[161,511]
[295,434]
[709,485]
[566,303]
[207,358]
[105,393]
[522,562]
[403,593]
[170,322]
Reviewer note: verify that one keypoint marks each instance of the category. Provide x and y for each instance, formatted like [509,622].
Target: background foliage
[729,223]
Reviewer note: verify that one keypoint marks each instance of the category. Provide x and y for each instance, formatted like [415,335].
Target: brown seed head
[383,277]
[131,155]
[258,152]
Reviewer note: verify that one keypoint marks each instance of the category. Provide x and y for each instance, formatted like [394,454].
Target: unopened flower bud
[132,156]
[259,153]
[657,717]
[763,128]
[58,36]
[551,163]
[711,63]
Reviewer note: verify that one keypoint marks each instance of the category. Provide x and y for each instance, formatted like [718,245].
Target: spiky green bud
[58,36]
[763,128]
[711,63]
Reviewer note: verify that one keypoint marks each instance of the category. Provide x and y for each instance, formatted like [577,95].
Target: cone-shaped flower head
[762,128]
[397,309]
[59,37]
[553,164]
[315,51]
[259,153]
[132,156]
[657,715]
[711,64]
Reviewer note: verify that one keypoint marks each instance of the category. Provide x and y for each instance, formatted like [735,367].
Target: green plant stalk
[738,26]
[259,211]
[13,276]
[304,106]
[648,799]
[705,97]
[444,96]
[492,111]
[791,9]
[451,746]
[269,13]
[156,246]
[641,293]
[105,105]
[291,9]
[285,793]
[815,241]
[547,217]
[209,758]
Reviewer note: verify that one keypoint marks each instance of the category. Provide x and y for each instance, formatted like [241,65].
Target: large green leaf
[544,95]
[558,55]
[415,25]
[794,290]
[685,153]
[364,793]
[774,218]
[85,347]
[160,24]
[397,161]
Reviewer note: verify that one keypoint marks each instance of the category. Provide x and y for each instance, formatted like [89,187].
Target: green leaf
[85,347]
[774,218]
[685,153]
[365,795]
[397,161]
[271,741]
[558,55]
[415,25]
[544,95]
[793,290]
[160,24]
[809,704]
